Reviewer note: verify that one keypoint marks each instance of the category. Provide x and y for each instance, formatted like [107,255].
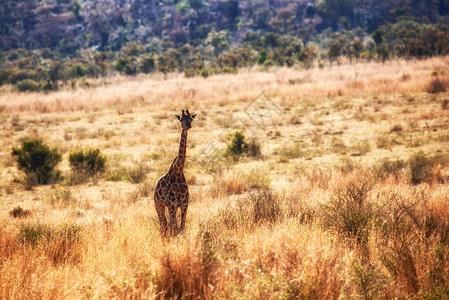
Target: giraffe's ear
[193,116]
[178,117]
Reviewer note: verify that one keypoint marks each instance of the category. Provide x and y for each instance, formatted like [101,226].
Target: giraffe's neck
[178,163]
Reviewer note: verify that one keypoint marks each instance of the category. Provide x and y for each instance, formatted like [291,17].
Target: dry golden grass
[328,209]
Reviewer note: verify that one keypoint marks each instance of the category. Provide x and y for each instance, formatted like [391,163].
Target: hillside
[108,24]
[47,45]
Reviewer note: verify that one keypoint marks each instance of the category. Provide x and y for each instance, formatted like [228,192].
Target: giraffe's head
[186,119]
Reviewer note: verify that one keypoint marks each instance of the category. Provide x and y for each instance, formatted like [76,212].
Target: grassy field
[343,193]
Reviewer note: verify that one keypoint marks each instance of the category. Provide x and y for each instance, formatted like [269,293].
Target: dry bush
[399,261]
[258,207]
[234,185]
[426,168]
[405,222]
[265,206]
[61,244]
[237,183]
[369,280]
[410,233]
[257,178]
[445,104]
[299,209]
[135,173]
[61,198]
[8,244]
[19,212]
[143,190]
[188,274]
[291,151]
[436,222]
[385,141]
[396,213]
[228,185]
[389,168]
[349,212]
[437,84]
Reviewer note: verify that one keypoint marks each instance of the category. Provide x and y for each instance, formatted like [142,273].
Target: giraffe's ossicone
[171,190]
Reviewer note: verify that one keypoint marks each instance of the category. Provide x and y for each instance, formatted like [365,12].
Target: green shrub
[420,168]
[388,167]
[20,75]
[236,143]
[148,64]
[78,70]
[228,70]
[262,57]
[28,85]
[90,161]
[33,233]
[5,76]
[205,73]
[38,161]
[189,72]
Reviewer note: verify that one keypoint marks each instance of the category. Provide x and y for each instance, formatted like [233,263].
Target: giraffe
[171,190]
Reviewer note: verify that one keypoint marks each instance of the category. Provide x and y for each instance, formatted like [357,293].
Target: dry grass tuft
[438,84]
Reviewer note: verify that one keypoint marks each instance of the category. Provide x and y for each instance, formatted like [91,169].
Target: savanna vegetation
[305,183]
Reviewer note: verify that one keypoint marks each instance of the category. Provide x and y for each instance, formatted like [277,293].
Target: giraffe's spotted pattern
[171,190]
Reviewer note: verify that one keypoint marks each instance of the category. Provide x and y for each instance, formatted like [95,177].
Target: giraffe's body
[171,190]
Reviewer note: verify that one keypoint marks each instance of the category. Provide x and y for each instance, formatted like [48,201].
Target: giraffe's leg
[173,224]
[183,216]
[160,209]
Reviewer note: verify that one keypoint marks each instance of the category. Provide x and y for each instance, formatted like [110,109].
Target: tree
[167,62]
[308,55]
[126,65]
[332,12]
[196,3]
[378,36]
[383,52]
[262,56]
[357,47]
[76,8]
[218,40]
[284,22]
[148,64]
[271,40]
[335,48]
